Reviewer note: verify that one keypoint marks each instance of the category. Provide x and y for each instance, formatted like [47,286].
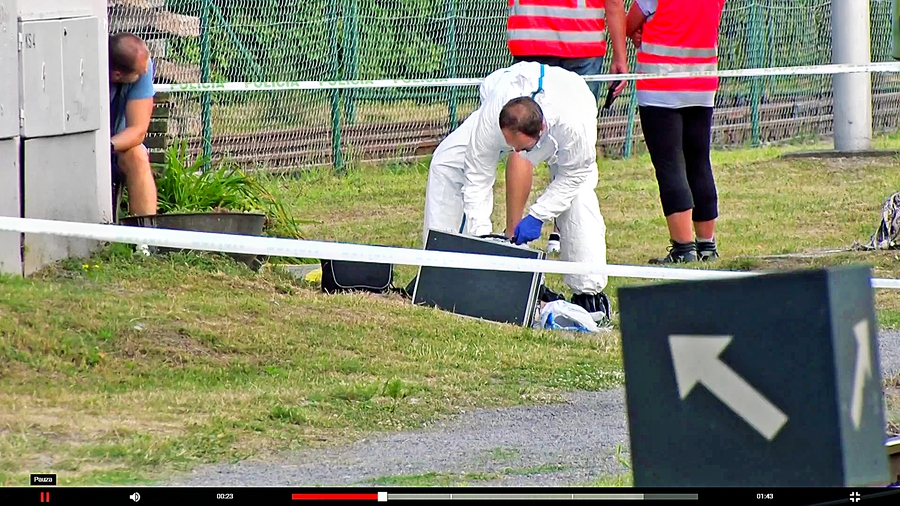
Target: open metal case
[500,296]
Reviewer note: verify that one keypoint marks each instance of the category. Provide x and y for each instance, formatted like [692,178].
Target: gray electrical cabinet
[9,70]
[81,71]
[41,83]
[74,153]
[10,205]
[60,76]
[54,125]
[10,182]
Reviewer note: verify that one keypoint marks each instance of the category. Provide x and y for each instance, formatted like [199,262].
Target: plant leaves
[185,187]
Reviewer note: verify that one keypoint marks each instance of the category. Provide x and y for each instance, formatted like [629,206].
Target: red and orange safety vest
[681,36]
[559,28]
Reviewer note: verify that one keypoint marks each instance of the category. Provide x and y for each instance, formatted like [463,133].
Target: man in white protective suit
[548,114]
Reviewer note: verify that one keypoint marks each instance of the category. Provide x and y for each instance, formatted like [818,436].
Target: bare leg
[705,229]
[679,224]
[135,164]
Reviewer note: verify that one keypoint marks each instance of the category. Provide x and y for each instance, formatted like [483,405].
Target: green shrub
[184,187]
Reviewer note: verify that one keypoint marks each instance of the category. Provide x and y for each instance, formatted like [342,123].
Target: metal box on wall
[81,71]
[10,205]
[9,70]
[42,79]
[65,195]
[59,74]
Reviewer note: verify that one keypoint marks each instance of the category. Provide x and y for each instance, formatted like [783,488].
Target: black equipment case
[500,296]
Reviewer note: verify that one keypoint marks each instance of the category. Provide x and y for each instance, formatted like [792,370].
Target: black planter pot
[222,223]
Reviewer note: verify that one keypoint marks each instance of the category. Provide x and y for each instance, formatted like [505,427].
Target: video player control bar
[386,496]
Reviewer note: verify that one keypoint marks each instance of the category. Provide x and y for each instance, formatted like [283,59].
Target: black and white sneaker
[595,304]
[679,252]
[707,251]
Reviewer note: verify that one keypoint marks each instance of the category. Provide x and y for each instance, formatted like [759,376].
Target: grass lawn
[122,369]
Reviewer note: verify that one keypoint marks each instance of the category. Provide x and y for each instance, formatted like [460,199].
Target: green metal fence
[252,40]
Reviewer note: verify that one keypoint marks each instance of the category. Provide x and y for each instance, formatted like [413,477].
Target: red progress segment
[338,497]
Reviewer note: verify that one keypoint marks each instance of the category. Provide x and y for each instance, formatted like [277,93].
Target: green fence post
[756,61]
[895,26]
[628,149]
[351,46]
[332,14]
[629,133]
[451,62]
[205,97]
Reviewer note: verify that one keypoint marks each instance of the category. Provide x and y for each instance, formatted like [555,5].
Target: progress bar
[380,496]
[385,496]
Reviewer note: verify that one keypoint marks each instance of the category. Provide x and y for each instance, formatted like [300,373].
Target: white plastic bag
[562,315]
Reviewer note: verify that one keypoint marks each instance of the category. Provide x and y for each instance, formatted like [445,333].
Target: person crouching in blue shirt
[131,107]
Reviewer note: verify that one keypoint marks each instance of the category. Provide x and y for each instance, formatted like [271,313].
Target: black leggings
[678,141]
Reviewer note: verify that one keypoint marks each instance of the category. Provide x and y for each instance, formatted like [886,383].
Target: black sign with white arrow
[696,360]
[761,381]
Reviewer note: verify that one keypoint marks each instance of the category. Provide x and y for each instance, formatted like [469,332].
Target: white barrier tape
[893,284]
[272,246]
[843,68]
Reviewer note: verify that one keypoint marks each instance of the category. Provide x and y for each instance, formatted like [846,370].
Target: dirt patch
[356,309]
[831,161]
[358,214]
[13,369]
[62,426]
[172,342]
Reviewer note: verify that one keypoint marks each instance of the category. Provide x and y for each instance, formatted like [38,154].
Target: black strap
[495,236]
[114,107]
[402,291]
[540,87]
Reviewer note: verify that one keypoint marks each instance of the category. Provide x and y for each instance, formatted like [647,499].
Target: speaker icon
[135,497]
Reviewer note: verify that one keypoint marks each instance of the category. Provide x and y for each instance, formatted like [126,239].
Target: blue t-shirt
[120,94]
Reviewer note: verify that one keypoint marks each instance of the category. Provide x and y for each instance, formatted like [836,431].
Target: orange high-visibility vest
[560,28]
[681,36]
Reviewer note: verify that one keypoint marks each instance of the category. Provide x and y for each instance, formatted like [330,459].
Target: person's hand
[527,230]
[636,38]
[619,66]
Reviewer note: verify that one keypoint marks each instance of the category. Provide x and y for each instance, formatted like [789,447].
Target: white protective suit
[446,173]
[459,195]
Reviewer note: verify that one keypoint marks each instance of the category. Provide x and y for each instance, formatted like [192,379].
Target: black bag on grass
[343,276]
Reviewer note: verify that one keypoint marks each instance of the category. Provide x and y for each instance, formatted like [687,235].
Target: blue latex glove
[527,230]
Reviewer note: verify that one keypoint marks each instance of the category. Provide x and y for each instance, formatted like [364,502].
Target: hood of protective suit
[568,145]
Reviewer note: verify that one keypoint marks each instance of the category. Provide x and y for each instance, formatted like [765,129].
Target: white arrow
[863,370]
[696,360]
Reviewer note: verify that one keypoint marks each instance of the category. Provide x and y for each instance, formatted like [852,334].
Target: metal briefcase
[500,296]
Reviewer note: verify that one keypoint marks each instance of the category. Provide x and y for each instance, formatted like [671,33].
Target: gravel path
[556,445]
[889,351]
